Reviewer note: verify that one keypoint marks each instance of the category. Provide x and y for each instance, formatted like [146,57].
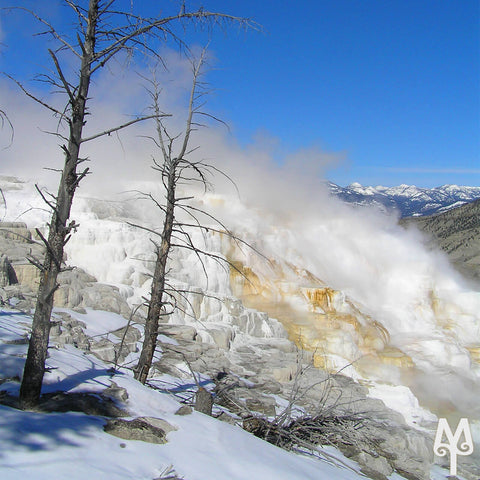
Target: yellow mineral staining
[320,298]
[395,357]
[374,337]
[328,325]
[244,282]
[474,353]
[444,312]
[388,363]
[324,362]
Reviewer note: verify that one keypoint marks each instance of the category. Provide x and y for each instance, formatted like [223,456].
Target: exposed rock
[88,403]
[203,401]
[27,274]
[184,410]
[262,404]
[376,467]
[258,324]
[222,337]
[17,231]
[225,417]
[249,344]
[3,297]
[104,349]
[18,296]
[79,289]
[181,332]
[129,336]
[115,392]
[268,385]
[66,330]
[137,429]
[407,451]
[203,357]
[7,273]
[242,398]
[159,423]
[17,245]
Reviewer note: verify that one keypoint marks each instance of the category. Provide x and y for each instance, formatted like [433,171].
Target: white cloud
[120,159]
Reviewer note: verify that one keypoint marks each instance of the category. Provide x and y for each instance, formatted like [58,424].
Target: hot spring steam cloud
[348,280]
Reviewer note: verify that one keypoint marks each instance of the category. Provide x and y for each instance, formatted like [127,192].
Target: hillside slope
[456,232]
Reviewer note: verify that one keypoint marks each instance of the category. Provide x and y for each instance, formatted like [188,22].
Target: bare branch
[53,207]
[145,27]
[51,29]
[117,128]
[34,97]
[50,250]
[65,84]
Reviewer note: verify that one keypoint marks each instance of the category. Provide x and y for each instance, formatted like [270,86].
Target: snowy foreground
[74,446]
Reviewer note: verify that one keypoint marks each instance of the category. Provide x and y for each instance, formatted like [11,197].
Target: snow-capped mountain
[407,200]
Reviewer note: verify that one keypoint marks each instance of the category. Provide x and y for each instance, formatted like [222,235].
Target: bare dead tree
[177,168]
[103,30]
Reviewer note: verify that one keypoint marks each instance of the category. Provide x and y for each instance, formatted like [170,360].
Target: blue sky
[391,86]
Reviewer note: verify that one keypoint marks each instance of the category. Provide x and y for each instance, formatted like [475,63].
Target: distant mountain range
[408,200]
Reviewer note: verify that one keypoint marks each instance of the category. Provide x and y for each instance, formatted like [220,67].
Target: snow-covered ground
[46,446]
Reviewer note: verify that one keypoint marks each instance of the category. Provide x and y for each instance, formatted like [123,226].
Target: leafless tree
[103,30]
[177,167]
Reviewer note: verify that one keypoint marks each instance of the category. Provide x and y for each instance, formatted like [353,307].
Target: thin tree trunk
[158,284]
[58,230]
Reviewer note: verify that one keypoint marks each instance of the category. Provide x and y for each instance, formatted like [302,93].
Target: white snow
[73,446]
[401,399]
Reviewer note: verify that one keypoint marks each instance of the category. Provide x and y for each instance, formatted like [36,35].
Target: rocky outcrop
[113,347]
[17,245]
[144,429]
[89,403]
[66,330]
[7,273]
[27,274]
[17,231]
[78,289]
[19,296]
[250,377]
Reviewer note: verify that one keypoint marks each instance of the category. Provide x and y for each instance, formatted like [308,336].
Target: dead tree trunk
[168,167]
[158,282]
[103,30]
[176,170]
[59,231]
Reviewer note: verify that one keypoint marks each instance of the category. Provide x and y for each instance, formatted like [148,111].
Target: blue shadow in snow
[44,431]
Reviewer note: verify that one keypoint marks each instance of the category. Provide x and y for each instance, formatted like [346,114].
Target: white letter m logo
[452,444]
